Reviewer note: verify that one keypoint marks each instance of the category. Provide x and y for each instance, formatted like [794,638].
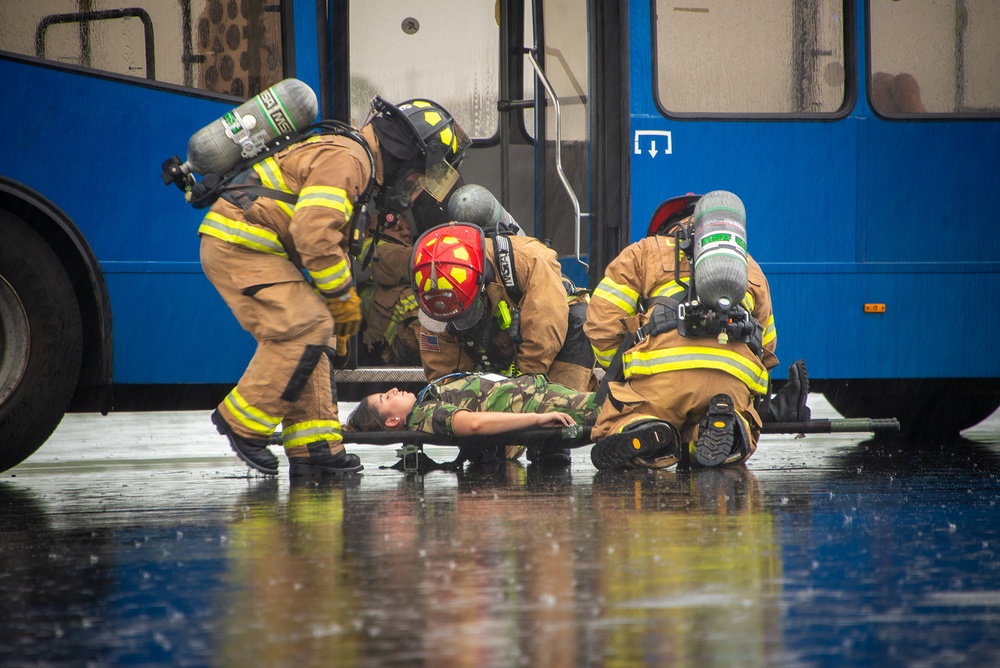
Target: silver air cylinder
[475,204]
[288,106]
[720,249]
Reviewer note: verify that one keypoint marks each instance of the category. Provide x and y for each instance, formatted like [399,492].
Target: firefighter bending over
[276,249]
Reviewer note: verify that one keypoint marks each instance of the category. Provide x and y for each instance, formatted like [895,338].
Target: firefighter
[391,329]
[500,305]
[688,398]
[280,261]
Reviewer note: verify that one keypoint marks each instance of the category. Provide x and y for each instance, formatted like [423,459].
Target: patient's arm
[469,423]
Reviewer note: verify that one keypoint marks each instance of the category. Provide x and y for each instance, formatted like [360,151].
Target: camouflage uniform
[531,393]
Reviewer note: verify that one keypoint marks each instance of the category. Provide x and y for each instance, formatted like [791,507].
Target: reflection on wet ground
[141,540]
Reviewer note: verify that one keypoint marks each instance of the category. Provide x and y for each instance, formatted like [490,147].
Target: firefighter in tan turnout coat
[281,264]
[677,398]
[490,307]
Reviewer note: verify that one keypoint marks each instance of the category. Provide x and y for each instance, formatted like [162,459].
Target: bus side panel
[908,340]
[174,328]
[53,116]
[929,192]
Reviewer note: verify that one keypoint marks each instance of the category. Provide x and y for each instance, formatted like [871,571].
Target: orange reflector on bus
[874,308]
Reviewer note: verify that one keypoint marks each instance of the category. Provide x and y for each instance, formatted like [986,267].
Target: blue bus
[862,136]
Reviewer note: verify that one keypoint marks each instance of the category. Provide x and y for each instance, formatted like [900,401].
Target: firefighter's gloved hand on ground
[346,312]
[789,404]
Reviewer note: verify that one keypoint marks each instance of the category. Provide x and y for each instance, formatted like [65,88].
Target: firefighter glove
[346,312]
[342,353]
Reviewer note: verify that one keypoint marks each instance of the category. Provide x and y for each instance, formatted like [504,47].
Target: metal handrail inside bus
[578,216]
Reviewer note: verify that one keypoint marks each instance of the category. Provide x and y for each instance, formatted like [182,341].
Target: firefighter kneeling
[687,351]
[498,304]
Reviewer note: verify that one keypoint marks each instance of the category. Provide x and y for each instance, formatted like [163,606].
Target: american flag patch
[429,342]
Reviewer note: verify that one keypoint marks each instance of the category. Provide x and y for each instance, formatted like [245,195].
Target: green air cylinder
[288,106]
[475,204]
[720,249]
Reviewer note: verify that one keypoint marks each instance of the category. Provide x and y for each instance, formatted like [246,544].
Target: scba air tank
[475,204]
[720,249]
[288,106]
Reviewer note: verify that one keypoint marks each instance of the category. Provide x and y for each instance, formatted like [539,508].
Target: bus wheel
[41,341]
[935,408]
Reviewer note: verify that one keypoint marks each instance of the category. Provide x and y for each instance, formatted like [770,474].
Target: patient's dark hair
[365,417]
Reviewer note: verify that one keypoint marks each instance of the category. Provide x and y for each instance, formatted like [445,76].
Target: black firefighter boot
[253,451]
[320,462]
[638,445]
[789,404]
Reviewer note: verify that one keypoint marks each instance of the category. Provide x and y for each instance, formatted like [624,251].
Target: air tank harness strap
[243,189]
[662,319]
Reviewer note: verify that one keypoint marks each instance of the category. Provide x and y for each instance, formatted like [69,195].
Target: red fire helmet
[446,271]
[671,211]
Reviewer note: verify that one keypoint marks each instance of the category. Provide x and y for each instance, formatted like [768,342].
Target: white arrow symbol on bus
[652,142]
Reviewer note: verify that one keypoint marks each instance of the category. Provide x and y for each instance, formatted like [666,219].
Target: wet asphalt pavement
[141,539]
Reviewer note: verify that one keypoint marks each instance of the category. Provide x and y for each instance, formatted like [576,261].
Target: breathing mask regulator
[714,241]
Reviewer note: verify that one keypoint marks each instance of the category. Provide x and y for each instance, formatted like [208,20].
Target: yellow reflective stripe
[404,306]
[332,279]
[242,234]
[604,357]
[311,431]
[748,301]
[650,362]
[770,333]
[252,418]
[326,196]
[668,289]
[271,177]
[618,294]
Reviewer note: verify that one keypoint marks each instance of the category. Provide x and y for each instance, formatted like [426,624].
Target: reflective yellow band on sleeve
[240,233]
[400,313]
[334,279]
[604,357]
[618,294]
[325,196]
[252,418]
[650,362]
[770,333]
[311,431]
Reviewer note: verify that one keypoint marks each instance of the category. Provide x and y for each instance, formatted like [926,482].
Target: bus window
[446,51]
[936,56]
[764,57]
[224,46]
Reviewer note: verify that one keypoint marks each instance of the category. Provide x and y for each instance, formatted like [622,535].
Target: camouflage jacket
[531,393]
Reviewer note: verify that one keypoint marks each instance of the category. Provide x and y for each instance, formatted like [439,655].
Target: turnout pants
[289,380]
[678,397]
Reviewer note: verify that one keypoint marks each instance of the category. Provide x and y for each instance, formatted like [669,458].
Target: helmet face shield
[438,180]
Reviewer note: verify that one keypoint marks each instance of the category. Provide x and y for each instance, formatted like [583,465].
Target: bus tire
[42,339]
[930,408]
